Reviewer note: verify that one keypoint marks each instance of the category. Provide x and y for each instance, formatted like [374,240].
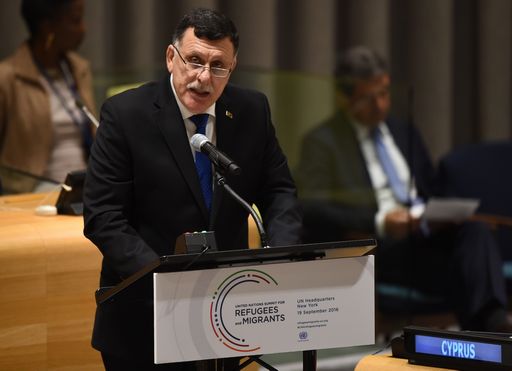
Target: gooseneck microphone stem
[410,144]
[222,183]
[196,258]
[30,175]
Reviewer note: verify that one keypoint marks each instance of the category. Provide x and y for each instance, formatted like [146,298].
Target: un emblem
[303,335]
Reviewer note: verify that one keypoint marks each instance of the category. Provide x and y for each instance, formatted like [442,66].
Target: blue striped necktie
[203,164]
[397,185]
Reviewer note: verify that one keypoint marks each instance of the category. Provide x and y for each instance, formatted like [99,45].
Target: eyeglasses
[215,71]
[372,97]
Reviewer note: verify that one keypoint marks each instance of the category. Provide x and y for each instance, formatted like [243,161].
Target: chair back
[482,171]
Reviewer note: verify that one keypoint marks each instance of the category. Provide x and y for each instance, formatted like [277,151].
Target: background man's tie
[203,164]
[397,185]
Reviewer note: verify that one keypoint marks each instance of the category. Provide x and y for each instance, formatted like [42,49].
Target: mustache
[198,87]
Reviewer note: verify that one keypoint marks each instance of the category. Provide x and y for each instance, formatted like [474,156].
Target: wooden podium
[252,302]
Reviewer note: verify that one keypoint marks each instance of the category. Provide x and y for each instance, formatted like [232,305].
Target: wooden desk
[385,362]
[48,274]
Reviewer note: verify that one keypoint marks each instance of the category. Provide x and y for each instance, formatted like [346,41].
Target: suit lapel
[225,126]
[170,122]
[226,123]
[353,162]
[349,143]
[400,138]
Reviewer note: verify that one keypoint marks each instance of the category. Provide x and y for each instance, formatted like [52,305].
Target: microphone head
[197,141]
[234,169]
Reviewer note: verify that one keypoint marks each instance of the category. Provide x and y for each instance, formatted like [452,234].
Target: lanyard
[79,119]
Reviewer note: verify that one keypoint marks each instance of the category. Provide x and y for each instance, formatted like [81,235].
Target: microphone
[86,111]
[200,143]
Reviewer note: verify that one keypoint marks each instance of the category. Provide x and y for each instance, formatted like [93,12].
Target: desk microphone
[222,162]
[86,111]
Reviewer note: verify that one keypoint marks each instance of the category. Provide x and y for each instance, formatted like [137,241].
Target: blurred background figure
[363,174]
[43,134]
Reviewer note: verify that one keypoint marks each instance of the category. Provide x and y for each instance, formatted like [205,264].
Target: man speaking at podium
[145,186]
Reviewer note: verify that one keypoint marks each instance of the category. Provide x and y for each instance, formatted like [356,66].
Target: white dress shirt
[386,201]
[190,126]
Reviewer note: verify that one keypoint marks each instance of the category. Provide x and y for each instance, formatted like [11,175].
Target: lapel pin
[229,114]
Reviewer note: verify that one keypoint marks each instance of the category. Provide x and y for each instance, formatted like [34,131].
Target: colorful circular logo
[224,334]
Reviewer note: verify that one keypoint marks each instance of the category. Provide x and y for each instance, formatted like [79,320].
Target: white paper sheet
[450,209]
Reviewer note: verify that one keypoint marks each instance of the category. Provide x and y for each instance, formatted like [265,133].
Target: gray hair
[358,63]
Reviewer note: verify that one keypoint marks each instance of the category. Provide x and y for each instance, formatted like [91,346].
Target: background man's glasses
[215,71]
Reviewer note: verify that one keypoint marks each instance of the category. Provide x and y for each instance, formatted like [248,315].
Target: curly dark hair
[35,11]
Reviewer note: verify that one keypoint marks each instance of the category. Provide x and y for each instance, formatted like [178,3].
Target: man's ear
[235,61]
[169,55]
[342,100]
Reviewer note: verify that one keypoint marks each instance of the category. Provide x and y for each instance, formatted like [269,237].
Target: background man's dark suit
[142,191]
[332,172]
[334,184]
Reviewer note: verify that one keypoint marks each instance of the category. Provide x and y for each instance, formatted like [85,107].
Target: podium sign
[263,309]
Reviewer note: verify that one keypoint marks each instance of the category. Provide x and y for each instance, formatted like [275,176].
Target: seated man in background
[363,175]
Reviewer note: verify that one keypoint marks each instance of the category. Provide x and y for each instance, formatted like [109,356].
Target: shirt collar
[364,132]
[185,112]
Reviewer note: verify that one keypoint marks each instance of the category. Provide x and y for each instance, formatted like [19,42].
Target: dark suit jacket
[142,192]
[334,183]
